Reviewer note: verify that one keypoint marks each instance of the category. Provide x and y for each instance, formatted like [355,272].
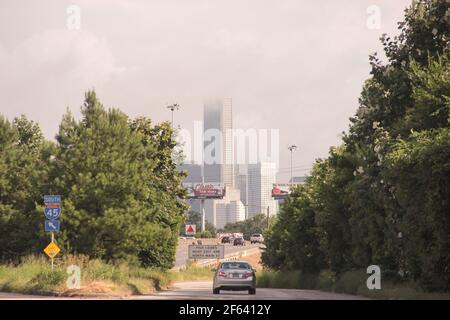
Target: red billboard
[205,190]
[281,191]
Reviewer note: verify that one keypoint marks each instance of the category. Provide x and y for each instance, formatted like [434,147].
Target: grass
[351,282]
[192,274]
[34,276]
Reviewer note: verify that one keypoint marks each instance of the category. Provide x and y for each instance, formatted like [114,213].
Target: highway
[201,290]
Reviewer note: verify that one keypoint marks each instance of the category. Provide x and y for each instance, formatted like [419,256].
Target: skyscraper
[261,178]
[218,144]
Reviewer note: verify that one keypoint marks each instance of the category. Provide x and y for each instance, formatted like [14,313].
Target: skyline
[296,67]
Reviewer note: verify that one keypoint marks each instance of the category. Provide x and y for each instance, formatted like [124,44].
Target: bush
[286,279]
[46,280]
[350,281]
[326,280]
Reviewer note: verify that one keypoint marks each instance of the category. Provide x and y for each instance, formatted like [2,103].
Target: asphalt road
[202,290]
[181,255]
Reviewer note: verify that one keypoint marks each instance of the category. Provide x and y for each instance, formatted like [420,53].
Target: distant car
[226,239]
[256,238]
[234,276]
[239,242]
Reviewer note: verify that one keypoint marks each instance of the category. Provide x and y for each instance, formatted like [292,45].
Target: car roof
[236,261]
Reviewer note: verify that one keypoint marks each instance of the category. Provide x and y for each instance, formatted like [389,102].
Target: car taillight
[222,274]
[248,274]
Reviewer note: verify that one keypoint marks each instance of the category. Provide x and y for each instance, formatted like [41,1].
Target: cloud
[77,56]
[294,65]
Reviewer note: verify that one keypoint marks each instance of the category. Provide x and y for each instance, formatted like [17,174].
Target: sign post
[190,230]
[206,252]
[52,212]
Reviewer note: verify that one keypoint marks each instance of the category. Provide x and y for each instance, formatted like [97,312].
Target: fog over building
[218,141]
[219,162]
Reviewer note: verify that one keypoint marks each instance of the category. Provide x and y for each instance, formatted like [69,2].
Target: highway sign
[49,199]
[52,250]
[52,225]
[206,252]
[52,212]
[189,229]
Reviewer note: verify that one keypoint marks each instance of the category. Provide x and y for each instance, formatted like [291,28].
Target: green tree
[293,243]
[256,224]
[24,159]
[121,191]
[382,197]
[193,217]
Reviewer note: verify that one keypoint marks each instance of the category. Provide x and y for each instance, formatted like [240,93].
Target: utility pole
[292,148]
[172,108]
[202,201]
[268,217]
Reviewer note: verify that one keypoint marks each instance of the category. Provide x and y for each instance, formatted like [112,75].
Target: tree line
[383,196]
[121,191]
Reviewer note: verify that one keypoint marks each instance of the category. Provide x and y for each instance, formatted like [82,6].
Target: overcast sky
[292,65]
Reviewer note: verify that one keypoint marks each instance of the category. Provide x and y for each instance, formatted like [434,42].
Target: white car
[256,238]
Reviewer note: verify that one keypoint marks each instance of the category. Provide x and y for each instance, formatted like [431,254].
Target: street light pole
[202,203]
[172,108]
[291,149]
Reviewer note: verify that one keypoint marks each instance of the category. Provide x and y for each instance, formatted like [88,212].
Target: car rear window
[256,235]
[235,265]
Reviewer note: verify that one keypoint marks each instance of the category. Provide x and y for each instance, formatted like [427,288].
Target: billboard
[281,191]
[205,190]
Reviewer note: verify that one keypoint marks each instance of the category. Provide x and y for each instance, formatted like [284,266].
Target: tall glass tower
[218,143]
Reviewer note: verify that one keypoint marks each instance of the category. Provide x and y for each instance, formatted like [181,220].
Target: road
[182,250]
[201,290]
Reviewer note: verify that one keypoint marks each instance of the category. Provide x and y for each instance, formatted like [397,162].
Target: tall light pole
[292,148]
[172,108]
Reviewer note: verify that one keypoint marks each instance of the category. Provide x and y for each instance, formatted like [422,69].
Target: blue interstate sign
[49,199]
[52,213]
[52,225]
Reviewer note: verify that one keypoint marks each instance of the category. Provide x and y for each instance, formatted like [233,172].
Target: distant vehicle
[234,276]
[239,242]
[256,238]
[226,239]
[190,238]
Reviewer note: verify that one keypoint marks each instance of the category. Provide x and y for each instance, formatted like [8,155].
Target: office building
[218,144]
[261,178]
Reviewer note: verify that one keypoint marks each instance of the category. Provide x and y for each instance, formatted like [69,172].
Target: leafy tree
[256,224]
[193,217]
[121,191]
[293,244]
[23,171]
[382,197]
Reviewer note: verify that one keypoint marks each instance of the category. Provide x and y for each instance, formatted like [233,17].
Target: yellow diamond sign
[52,250]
